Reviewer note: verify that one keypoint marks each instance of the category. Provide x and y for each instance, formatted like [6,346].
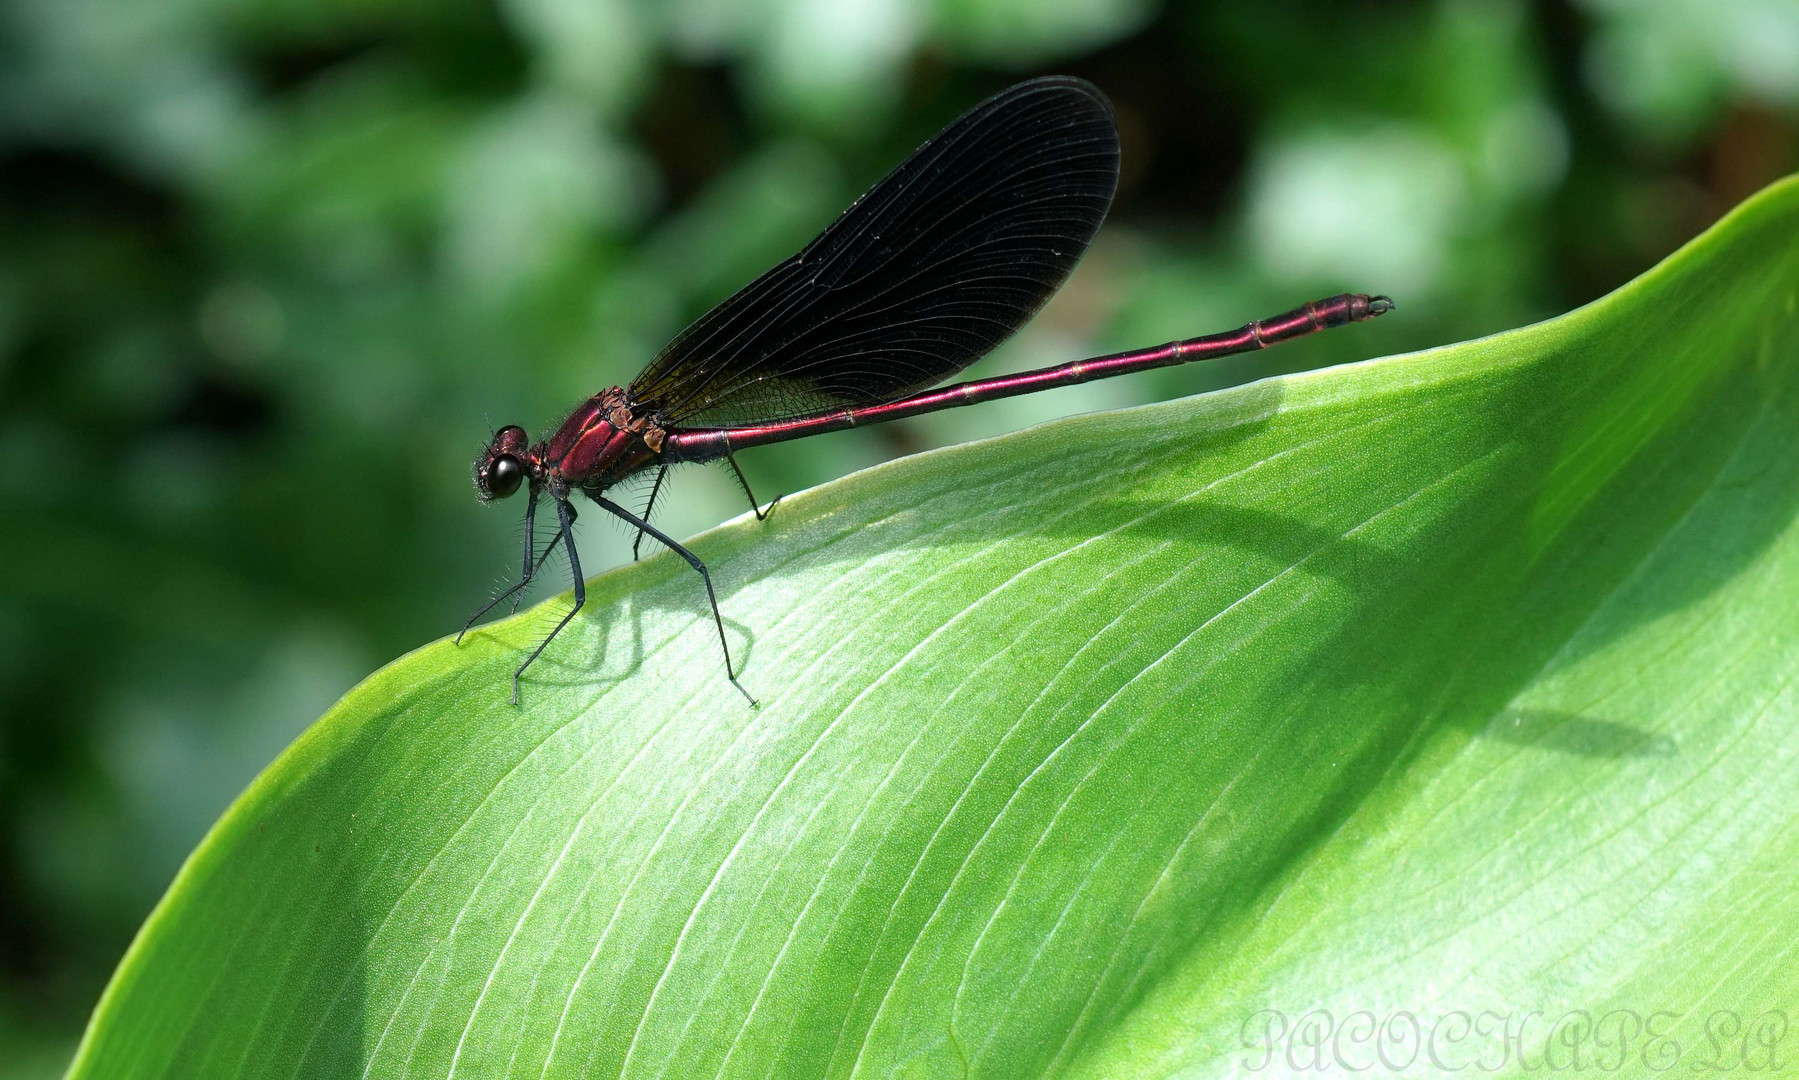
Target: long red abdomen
[706,444]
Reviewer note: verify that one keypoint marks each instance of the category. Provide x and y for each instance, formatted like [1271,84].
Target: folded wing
[941,261]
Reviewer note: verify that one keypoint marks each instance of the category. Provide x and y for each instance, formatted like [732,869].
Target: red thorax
[601,443]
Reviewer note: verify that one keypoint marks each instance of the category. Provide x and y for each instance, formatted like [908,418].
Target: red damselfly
[943,259]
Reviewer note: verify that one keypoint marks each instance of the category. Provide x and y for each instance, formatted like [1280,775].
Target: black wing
[938,263]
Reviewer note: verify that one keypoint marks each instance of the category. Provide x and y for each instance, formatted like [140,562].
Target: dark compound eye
[504,475]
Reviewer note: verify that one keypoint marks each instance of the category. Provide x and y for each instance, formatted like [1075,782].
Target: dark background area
[270,270]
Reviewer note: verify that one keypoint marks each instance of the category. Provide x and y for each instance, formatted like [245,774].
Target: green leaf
[1454,681]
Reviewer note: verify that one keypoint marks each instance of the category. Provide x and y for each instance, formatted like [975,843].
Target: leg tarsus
[705,576]
[531,565]
[742,482]
[565,515]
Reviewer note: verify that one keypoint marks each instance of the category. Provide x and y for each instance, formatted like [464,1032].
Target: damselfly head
[504,464]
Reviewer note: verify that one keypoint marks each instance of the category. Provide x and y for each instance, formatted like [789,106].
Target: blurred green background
[269,271]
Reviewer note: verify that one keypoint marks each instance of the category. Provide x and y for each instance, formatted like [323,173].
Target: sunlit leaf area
[1142,744]
[270,273]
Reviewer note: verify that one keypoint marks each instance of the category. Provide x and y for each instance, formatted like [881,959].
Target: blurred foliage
[270,270]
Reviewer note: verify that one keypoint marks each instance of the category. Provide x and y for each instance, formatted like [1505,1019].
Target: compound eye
[504,476]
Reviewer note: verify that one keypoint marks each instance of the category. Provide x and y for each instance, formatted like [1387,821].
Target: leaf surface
[1456,681]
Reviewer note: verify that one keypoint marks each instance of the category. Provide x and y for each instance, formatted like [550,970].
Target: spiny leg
[548,549]
[648,508]
[705,576]
[761,514]
[565,517]
[531,565]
